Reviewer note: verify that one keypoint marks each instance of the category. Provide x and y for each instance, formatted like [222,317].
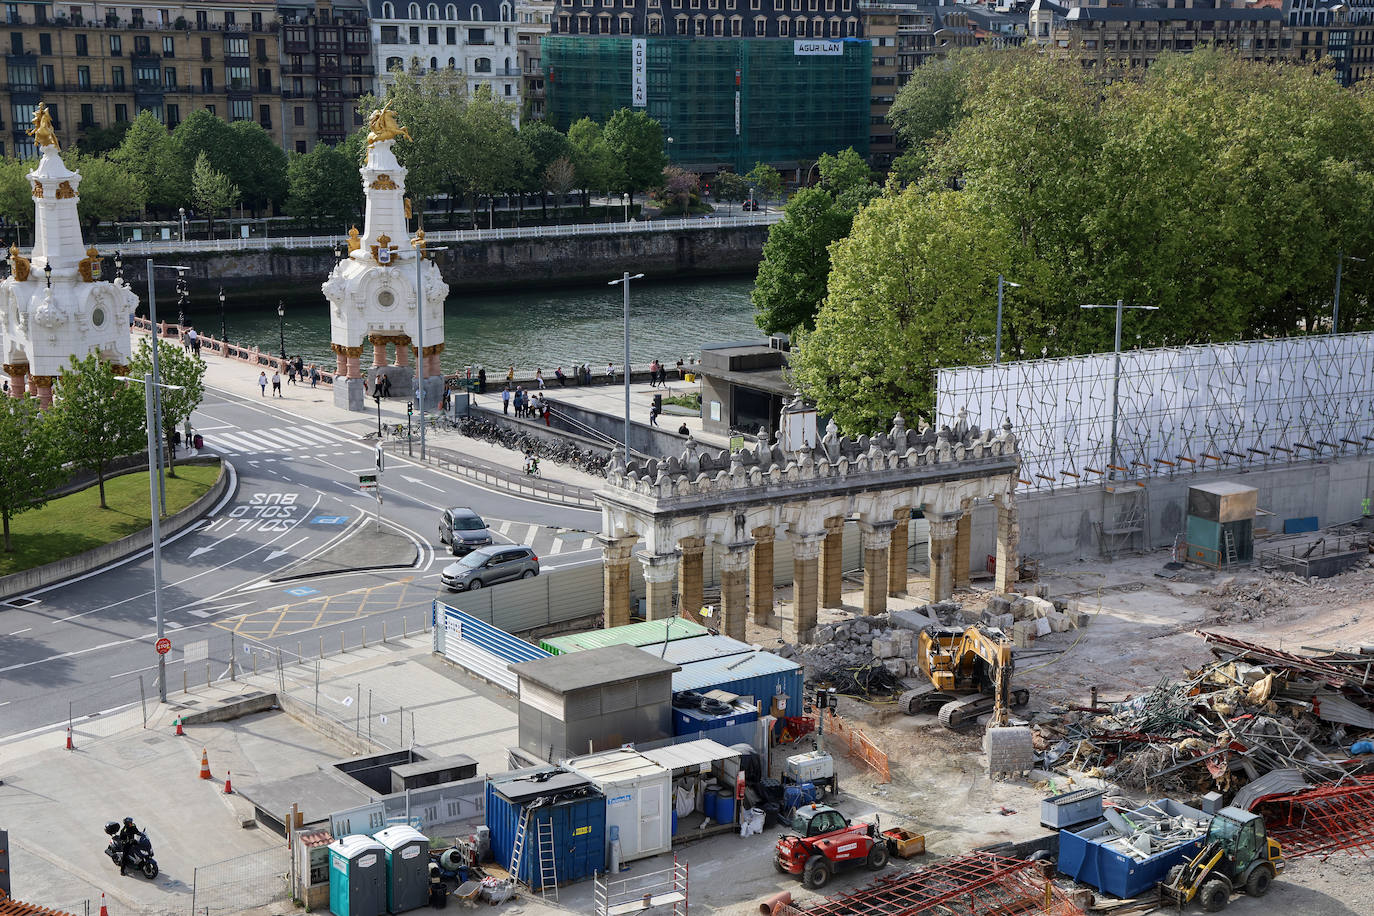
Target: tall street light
[1116,374]
[157,343]
[150,388]
[420,251]
[1336,299]
[624,282]
[625,199]
[182,211]
[997,347]
[281,328]
[221,321]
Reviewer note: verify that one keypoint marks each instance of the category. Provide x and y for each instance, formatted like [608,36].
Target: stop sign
[164,645]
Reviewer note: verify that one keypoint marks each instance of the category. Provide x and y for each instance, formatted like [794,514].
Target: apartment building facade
[97,66]
[534,20]
[326,65]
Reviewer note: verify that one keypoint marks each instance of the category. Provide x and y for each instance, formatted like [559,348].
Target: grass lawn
[75,523]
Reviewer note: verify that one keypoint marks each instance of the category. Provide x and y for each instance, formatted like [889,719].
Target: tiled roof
[11,907]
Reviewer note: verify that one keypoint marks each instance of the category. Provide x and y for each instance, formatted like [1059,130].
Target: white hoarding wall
[1180,409]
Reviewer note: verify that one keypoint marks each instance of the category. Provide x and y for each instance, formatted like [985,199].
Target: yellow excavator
[968,672]
[1237,855]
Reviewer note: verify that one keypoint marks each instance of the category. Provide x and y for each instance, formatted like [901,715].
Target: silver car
[490,565]
[463,530]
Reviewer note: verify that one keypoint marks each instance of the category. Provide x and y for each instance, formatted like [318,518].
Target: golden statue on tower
[382,126]
[42,132]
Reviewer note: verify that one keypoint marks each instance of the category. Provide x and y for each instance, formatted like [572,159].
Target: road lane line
[17,632]
[135,671]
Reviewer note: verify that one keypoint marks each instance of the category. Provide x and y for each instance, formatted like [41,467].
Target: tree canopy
[30,458]
[324,187]
[1218,190]
[792,276]
[99,418]
[147,153]
[636,141]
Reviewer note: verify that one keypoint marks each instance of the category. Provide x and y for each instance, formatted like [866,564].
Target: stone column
[1008,533]
[403,350]
[877,539]
[33,385]
[689,580]
[896,554]
[355,355]
[340,361]
[761,575]
[615,553]
[378,342]
[832,562]
[734,590]
[942,533]
[660,571]
[963,540]
[16,372]
[43,385]
[806,551]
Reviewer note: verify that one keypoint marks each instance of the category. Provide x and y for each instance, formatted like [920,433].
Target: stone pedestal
[615,553]
[761,576]
[942,533]
[690,577]
[832,563]
[877,539]
[734,590]
[434,392]
[402,380]
[1008,533]
[806,551]
[963,541]
[896,554]
[660,573]
[348,393]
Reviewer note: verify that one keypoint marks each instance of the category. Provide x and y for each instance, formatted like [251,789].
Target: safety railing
[858,745]
[552,491]
[251,355]
[261,243]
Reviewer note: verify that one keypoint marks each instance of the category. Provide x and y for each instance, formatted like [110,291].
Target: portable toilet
[357,877]
[407,867]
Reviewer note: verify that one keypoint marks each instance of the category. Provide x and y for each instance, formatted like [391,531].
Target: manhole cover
[21,602]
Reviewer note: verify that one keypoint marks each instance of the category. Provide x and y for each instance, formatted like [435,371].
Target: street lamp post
[1116,375]
[150,388]
[624,282]
[182,212]
[281,328]
[420,251]
[1336,299]
[222,333]
[997,346]
[625,198]
[157,376]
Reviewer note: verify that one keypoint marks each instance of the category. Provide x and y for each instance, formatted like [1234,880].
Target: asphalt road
[85,648]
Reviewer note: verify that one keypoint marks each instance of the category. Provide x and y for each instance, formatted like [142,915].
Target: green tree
[558,180]
[97,141]
[543,145]
[99,419]
[183,371]
[848,178]
[636,141]
[211,190]
[730,187]
[257,167]
[766,182]
[16,195]
[492,159]
[30,459]
[202,132]
[324,187]
[791,280]
[595,164]
[147,152]
[107,191]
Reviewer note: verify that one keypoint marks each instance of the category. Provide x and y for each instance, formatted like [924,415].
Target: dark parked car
[463,530]
[490,565]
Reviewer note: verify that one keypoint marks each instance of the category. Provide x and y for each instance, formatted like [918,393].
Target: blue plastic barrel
[708,804]
[725,806]
[674,822]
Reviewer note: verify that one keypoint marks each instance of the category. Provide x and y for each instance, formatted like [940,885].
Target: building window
[235,47]
[603,24]
[202,20]
[450,12]
[256,20]
[655,25]
[475,14]
[300,146]
[625,25]
[169,47]
[508,92]
[413,12]
[265,115]
[83,78]
[117,78]
[207,80]
[264,80]
[169,77]
[736,26]
[481,65]
[415,34]
[699,25]
[45,43]
[87,115]
[851,27]
[388,11]
[147,76]
[240,109]
[173,116]
[205,52]
[46,77]
[82,48]
[784,26]
[238,77]
[116,46]
[121,114]
[433,35]
[212,109]
[760,26]
[433,11]
[298,116]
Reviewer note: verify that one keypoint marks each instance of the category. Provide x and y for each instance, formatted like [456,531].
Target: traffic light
[410,408]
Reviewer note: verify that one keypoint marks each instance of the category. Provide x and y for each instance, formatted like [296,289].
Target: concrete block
[1077,619]
[1042,626]
[1009,749]
[912,620]
[897,666]
[1001,621]
[970,615]
[1057,621]
[882,648]
[1038,607]
[998,604]
[1023,633]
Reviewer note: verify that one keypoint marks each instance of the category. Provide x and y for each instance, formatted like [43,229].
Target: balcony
[534,71]
[298,69]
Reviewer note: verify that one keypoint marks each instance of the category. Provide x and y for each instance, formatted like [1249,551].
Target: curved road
[82,646]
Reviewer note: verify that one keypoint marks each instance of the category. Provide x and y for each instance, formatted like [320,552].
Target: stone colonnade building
[55,305]
[745,501]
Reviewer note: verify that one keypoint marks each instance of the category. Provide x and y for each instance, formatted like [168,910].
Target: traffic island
[366,547]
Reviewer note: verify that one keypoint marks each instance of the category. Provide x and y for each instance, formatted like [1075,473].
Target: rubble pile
[1234,599]
[1253,711]
[1143,833]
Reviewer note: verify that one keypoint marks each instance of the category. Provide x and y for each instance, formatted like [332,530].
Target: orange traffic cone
[228,786]
[70,746]
[204,764]
[179,731]
[103,910]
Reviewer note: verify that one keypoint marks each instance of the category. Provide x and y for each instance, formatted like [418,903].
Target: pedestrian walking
[546,411]
[539,378]
[193,341]
[314,375]
[481,380]
[276,384]
[653,373]
[386,386]
[262,382]
[291,372]
[377,385]
[653,415]
[505,400]
[520,401]
[510,374]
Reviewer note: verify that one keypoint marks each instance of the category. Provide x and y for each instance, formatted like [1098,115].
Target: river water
[526,328]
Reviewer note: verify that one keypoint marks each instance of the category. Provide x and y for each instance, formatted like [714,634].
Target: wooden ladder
[548,866]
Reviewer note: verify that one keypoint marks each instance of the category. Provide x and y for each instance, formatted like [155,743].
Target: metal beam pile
[1326,819]
[970,884]
[1254,711]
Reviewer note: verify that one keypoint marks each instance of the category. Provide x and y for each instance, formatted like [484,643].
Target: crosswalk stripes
[545,541]
[299,441]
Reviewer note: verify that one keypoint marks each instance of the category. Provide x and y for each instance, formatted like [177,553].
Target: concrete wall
[656,442]
[501,264]
[1060,524]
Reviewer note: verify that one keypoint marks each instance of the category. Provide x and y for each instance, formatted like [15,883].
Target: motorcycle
[140,857]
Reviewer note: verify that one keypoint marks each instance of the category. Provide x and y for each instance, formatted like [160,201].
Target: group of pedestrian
[276,383]
[381,386]
[658,373]
[527,406]
[190,342]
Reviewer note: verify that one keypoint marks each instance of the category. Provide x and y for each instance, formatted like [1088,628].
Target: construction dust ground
[1140,633]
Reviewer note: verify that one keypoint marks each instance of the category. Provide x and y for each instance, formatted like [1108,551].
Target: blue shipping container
[579,835]
[691,721]
[1083,857]
[760,675]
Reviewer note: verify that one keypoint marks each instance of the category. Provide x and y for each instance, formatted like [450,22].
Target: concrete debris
[1246,600]
[1147,831]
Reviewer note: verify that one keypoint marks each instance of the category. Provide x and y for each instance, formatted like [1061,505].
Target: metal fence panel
[241,883]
